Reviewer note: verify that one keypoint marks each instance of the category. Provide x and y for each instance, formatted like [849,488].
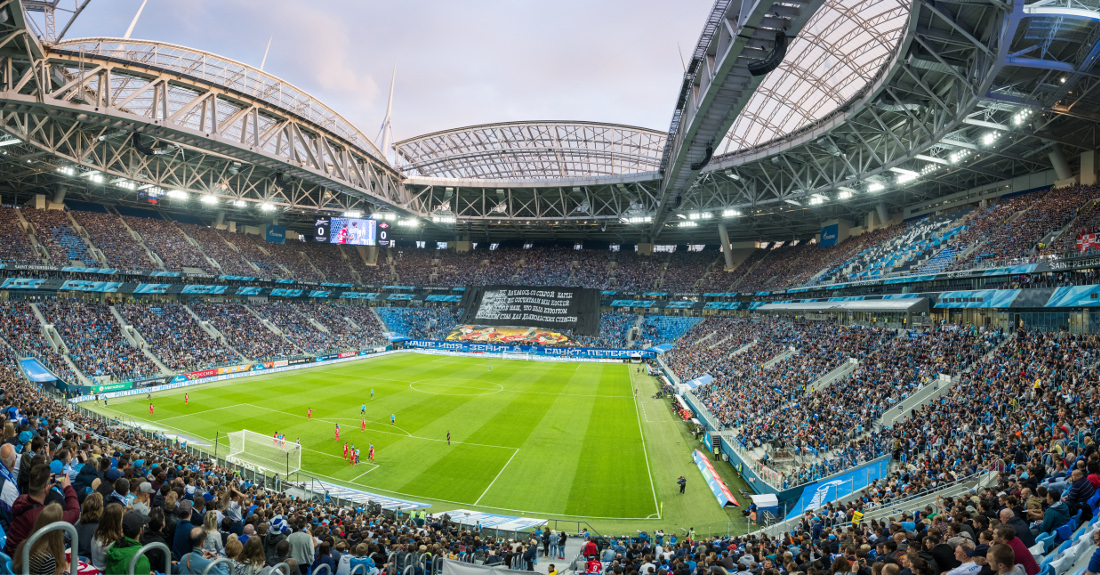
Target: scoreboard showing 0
[352,232]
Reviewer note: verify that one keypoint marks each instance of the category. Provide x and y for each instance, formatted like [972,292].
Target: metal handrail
[318,571]
[286,568]
[217,561]
[66,527]
[149,547]
[358,567]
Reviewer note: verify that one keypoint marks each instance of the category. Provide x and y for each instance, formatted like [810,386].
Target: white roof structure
[839,52]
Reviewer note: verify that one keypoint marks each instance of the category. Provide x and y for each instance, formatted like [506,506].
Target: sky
[458,63]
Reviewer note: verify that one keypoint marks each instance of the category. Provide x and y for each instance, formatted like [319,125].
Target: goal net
[264,451]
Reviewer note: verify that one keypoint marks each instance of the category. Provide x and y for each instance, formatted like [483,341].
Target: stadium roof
[543,150]
[840,51]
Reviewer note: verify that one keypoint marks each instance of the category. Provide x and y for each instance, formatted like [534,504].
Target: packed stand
[1040,213]
[461,269]
[503,265]
[17,245]
[175,337]
[115,241]
[169,243]
[365,333]
[372,275]
[259,255]
[547,267]
[95,340]
[330,260]
[244,331]
[780,267]
[1087,222]
[289,255]
[414,266]
[214,244]
[22,330]
[685,268]
[592,269]
[418,322]
[54,230]
[636,273]
[613,331]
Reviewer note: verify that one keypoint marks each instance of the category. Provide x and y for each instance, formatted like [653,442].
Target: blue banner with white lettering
[829,235]
[36,371]
[816,495]
[578,352]
[276,234]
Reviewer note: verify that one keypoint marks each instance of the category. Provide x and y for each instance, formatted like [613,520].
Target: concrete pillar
[40,201]
[59,195]
[233,227]
[883,215]
[219,218]
[724,238]
[1088,167]
[1058,161]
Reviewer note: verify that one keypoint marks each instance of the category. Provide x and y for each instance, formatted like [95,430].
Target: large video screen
[352,232]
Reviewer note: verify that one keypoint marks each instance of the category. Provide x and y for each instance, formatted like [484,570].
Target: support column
[883,215]
[1088,167]
[219,218]
[59,195]
[1058,161]
[724,238]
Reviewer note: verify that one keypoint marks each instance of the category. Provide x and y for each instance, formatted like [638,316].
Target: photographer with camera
[28,506]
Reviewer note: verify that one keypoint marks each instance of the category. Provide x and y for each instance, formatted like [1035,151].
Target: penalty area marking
[497,477]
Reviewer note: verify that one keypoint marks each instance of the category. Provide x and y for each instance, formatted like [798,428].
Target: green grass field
[556,440]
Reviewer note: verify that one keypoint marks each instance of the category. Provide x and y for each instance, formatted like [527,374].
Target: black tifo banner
[576,309]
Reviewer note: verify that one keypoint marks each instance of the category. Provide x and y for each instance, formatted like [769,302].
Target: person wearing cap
[141,498]
[1057,513]
[180,543]
[123,551]
[970,558]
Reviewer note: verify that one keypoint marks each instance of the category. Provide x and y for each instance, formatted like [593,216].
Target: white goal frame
[263,451]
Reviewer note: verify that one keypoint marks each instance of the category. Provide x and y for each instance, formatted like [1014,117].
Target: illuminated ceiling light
[96,178]
[444,219]
[637,220]
[875,187]
[67,170]
[700,215]
[267,207]
[9,142]
[126,185]
[959,155]
[689,224]
[209,199]
[239,203]
[929,168]
[731,213]
[409,222]
[178,194]
[906,178]
[353,214]
[817,200]
[844,195]
[1062,80]
[1021,117]
[990,138]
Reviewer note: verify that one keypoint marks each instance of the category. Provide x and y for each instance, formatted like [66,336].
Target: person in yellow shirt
[552,571]
[857,515]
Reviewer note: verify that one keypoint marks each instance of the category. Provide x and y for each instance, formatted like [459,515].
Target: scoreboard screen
[352,231]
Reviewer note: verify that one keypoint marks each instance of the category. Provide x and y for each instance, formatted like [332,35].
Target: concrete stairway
[213,332]
[134,338]
[838,373]
[54,338]
[780,357]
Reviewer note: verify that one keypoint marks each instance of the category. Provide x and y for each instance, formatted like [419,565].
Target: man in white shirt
[971,559]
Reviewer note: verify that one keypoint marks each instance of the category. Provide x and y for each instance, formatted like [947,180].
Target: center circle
[456,386]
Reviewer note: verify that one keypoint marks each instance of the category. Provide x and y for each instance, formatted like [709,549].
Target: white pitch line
[497,477]
[198,413]
[645,452]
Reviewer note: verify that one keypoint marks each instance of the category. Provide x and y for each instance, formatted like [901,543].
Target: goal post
[264,451]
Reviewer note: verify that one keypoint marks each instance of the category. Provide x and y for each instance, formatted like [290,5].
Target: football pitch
[560,440]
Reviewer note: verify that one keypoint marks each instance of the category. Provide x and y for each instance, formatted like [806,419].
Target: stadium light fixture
[1021,117]
[96,178]
[177,194]
[844,195]
[444,219]
[239,203]
[409,222]
[126,185]
[209,199]
[689,224]
[817,200]
[67,170]
[731,213]
[9,142]
[906,178]
[875,187]
[267,207]
[990,138]
[959,155]
[353,214]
